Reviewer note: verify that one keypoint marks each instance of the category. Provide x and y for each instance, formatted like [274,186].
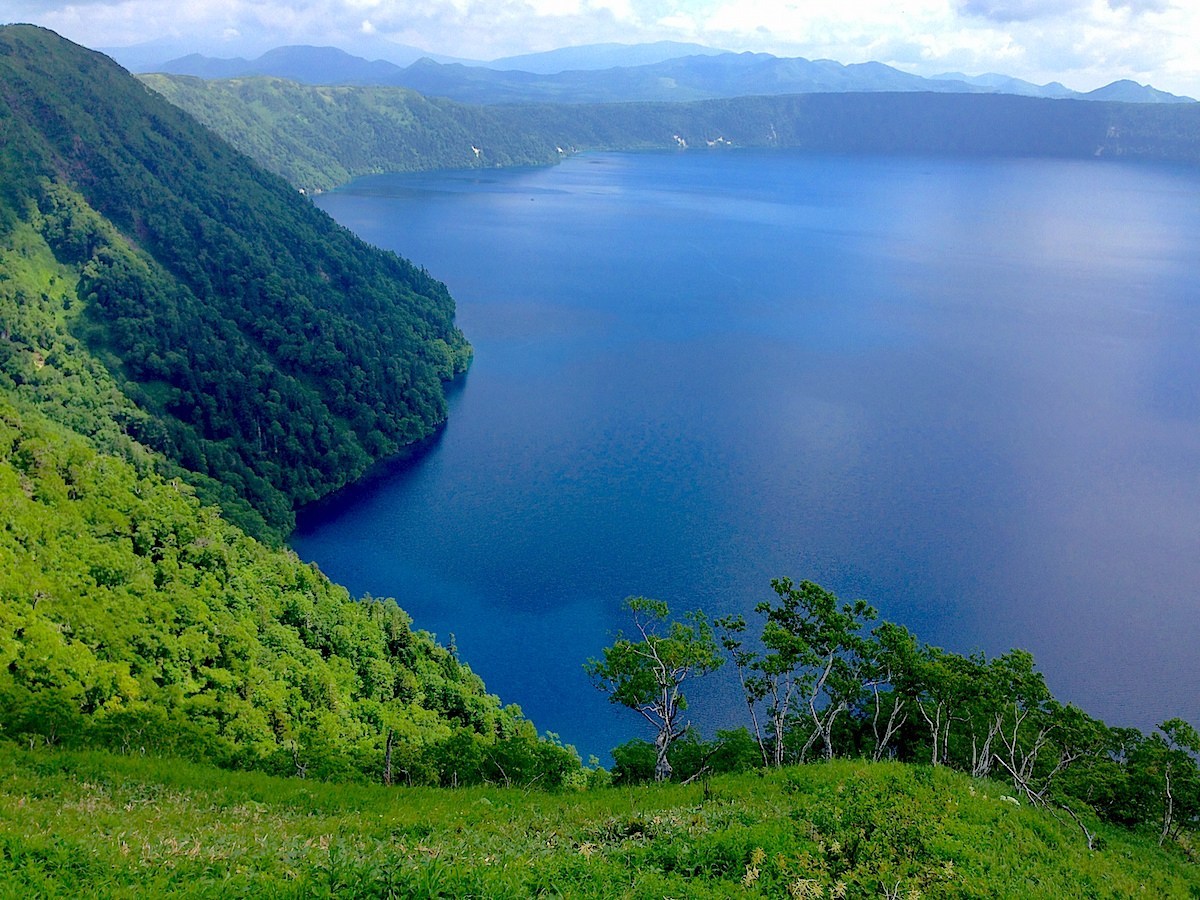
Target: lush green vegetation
[76,824]
[819,683]
[319,137]
[133,616]
[176,326]
[265,348]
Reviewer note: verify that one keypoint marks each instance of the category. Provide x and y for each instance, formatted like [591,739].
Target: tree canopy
[270,351]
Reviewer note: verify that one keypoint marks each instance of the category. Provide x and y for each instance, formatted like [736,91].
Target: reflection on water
[966,391]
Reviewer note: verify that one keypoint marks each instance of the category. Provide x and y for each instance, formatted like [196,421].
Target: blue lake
[966,391]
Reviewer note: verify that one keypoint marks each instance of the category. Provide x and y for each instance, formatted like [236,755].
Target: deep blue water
[967,391]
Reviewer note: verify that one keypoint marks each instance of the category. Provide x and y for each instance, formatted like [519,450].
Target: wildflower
[751,875]
[804,888]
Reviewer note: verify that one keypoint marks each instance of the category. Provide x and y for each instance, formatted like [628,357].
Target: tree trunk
[777,749]
[387,758]
[1168,807]
[662,766]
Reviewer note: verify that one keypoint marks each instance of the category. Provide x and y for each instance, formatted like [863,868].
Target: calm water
[967,391]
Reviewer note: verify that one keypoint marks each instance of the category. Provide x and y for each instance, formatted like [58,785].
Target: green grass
[90,824]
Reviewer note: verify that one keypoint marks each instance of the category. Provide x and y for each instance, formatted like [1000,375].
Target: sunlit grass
[81,824]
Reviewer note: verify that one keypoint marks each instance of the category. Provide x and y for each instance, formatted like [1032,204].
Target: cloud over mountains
[1083,43]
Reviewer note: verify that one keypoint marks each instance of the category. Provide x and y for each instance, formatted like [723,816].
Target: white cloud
[1084,43]
[1005,11]
[1141,6]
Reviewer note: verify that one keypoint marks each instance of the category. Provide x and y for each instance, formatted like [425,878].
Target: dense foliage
[75,824]
[132,616]
[144,310]
[820,682]
[268,349]
[319,137]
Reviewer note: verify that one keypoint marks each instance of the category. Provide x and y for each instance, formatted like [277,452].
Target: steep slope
[271,351]
[132,616]
[319,137]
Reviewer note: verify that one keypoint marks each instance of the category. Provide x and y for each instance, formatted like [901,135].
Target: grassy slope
[74,824]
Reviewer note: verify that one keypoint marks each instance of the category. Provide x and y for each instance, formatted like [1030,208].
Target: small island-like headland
[190,351]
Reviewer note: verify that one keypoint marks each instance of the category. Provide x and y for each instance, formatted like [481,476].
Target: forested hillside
[276,360]
[319,137]
[133,618]
[263,347]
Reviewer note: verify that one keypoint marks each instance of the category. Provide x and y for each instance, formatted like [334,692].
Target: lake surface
[966,391]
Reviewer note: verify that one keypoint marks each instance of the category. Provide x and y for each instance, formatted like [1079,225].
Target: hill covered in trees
[263,347]
[165,340]
[318,137]
[177,325]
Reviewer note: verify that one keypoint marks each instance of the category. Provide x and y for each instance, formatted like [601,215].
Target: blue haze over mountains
[612,73]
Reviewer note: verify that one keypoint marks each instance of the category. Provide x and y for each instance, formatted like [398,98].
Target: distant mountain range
[599,56]
[602,73]
[149,56]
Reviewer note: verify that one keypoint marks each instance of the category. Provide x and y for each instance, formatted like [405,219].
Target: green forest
[189,350]
[136,388]
[319,137]
[265,348]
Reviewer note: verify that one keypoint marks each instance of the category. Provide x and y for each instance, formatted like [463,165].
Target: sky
[1082,43]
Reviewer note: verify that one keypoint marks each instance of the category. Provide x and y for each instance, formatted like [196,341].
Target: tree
[1011,704]
[813,653]
[757,685]
[818,639]
[646,673]
[1173,754]
[939,684]
[891,655]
